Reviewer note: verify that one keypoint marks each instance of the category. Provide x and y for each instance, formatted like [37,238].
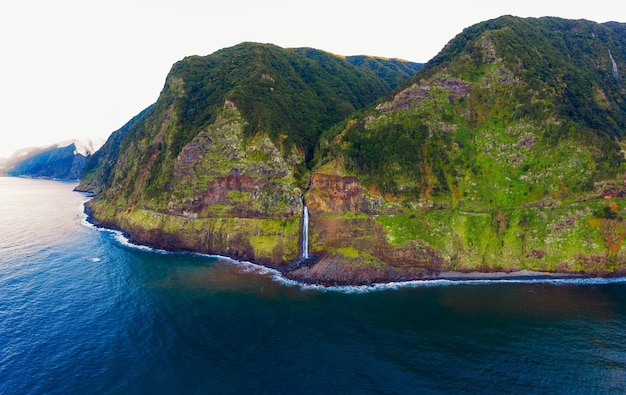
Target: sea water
[82,311]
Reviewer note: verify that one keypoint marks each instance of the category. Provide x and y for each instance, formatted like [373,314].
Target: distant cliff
[63,161]
[503,153]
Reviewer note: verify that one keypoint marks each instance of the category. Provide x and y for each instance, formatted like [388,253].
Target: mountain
[393,71]
[64,161]
[503,153]
[219,163]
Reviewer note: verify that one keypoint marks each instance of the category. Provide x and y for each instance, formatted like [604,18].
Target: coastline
[444,277]
[514,275]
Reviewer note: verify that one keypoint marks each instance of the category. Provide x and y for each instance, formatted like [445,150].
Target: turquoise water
[84,312]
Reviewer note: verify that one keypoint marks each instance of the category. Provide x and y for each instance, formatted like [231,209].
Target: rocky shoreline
[328,272]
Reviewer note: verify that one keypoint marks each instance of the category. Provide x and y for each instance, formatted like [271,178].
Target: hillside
[503,153]
[393,71]
[219,163]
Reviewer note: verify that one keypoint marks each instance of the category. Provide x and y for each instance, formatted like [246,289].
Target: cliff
[63,161]
[219,163]
[503,153]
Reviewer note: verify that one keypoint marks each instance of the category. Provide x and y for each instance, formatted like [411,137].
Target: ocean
[82,311]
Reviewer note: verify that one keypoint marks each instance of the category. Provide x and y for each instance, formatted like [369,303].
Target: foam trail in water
[443,283]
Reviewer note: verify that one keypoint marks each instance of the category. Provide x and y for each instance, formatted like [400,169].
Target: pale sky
[81,68]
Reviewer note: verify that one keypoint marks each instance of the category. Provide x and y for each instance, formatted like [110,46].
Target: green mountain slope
[503,153]
[497,155]
[546,80]
[393,71]
[218,164]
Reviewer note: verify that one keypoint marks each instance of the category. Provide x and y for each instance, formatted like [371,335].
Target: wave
[446,282]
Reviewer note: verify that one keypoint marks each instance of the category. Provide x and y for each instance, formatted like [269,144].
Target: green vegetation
[393,71]
[227,143]
[358,259]
[504,152]
[290,95]
[498,153]
[512,111]
[294,93]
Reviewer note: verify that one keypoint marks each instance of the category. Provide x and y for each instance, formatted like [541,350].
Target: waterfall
[615,70]
[305,233]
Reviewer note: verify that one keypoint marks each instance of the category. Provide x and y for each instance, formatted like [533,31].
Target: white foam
[376,287]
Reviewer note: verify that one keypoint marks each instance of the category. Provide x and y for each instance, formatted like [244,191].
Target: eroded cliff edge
[225,195]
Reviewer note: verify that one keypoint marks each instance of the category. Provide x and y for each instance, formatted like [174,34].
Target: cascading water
[615,70]
[305,233]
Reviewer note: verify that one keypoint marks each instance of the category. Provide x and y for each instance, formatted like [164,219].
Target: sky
[83,68]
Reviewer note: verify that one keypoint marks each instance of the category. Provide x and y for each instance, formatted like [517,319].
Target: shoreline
[514,275]
[446,276]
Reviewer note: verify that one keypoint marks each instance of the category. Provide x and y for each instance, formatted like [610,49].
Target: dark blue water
[81,312]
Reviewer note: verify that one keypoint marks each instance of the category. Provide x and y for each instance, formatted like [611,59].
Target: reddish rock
[330,199]
[336,194]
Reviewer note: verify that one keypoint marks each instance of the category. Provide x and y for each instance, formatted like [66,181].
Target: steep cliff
[504,153]
[219,163]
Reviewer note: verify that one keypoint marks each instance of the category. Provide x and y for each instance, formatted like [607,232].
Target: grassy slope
[488,153]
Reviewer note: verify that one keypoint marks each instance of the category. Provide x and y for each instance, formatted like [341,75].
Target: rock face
[478,163]
[503,154]
[219,163]
[221,173]
[224,197]
[349,246]
[337,194]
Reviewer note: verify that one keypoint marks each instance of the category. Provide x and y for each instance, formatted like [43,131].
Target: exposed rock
[340,270]
[335,194]
[331,199]
[413,95]
[492,159]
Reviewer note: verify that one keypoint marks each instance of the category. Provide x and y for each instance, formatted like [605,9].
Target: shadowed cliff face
[61,161]
[225,195]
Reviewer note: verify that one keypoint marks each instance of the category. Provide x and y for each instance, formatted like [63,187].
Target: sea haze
[82,311]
